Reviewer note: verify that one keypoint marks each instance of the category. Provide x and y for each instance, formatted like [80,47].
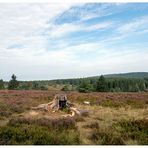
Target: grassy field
[114,119]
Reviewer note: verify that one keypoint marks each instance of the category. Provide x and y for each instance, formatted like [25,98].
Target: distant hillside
[138,75]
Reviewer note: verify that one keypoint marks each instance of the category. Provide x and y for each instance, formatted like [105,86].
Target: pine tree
[13,83]
[85,86]
[1,84]
[101,84]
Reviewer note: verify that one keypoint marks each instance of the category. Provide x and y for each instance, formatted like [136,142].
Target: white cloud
[61,30]
[57,31]
[134,25]
[23,25]
[20,22]
[122,30]
[26,51]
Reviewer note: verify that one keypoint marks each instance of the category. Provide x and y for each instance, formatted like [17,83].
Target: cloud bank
[50,41]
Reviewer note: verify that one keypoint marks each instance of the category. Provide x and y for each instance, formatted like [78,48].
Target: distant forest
[129,82]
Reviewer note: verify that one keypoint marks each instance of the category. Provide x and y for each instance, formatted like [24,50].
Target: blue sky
[68,40]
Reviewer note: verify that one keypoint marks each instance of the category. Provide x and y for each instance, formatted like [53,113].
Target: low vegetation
[122,132]
[113,119]
[32,134]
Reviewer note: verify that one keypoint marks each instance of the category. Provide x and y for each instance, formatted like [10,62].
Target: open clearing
[114,118]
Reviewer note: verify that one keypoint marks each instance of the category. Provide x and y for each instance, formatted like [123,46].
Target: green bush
[121,132]
[106,137]
[135,130]
[33,134]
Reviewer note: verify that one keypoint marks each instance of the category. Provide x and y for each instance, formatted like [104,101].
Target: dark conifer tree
[1,84]
[13,83]
[101,84]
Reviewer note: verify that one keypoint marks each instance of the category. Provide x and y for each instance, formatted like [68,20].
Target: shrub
[79,119]
[111,103]
[39,132]
[135,103]
[61,123]
[16,109]
[135,130]
[36,135]
[122,132]
[106,137]
[93,125]
[5,113]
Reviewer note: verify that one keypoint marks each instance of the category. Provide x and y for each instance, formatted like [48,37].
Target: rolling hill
[129,75]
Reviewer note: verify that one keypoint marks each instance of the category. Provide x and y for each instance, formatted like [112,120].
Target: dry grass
[106,117]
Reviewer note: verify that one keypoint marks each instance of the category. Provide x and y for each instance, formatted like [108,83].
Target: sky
[44,41]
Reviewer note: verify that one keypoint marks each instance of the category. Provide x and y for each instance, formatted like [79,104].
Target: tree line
[92,84]
[106,84]
[14,84]
[103,84]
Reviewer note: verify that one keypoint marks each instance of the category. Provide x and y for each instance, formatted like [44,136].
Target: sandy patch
[33,113]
